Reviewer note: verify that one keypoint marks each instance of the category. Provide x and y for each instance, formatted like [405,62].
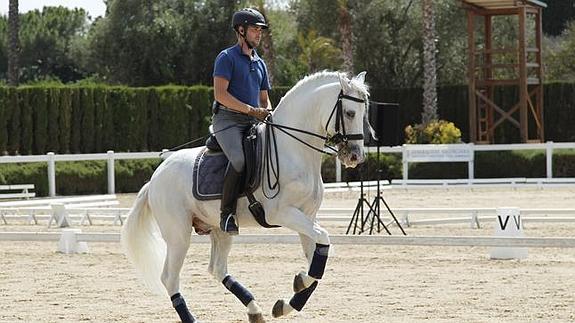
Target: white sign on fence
[438,153]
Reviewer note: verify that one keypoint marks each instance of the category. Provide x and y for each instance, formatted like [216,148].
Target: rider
[241,92]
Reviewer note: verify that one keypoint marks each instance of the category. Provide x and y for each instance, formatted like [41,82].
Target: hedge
[559,109]
[97,118]
[90,119]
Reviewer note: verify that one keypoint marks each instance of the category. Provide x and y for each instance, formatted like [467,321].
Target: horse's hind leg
[221,246]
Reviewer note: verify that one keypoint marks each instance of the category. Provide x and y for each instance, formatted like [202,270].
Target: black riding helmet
[248,16]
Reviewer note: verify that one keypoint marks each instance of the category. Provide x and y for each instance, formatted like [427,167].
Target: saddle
[210,167]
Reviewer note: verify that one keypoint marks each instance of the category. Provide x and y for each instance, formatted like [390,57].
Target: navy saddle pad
[209,172]
[210,168]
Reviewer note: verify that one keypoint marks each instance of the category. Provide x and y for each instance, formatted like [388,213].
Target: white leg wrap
[322,237]
[287,308]
[253,308]
[307,280]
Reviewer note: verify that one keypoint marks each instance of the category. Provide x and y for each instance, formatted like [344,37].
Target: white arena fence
[410,153]
[462,153]
[85,213]
[452,241]
[51,158]
[431,216]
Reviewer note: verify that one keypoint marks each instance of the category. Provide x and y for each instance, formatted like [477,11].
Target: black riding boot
[232,185]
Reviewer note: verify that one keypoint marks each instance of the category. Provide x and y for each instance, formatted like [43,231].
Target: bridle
[340,136]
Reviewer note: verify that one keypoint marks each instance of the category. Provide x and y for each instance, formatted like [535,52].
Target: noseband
[340,135]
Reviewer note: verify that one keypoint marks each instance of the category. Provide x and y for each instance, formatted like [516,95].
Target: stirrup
[228,224]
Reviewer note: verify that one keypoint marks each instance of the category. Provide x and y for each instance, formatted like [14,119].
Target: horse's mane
[324,77]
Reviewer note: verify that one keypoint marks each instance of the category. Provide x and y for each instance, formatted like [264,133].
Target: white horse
[156,235]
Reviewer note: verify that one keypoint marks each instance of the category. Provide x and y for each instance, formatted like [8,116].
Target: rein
[272,171]
[339,137]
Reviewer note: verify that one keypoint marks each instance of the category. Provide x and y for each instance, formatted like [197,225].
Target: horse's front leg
[315,242]
[221,246]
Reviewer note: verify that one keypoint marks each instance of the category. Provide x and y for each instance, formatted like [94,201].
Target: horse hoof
[256,318]
[298,284]
[278,309]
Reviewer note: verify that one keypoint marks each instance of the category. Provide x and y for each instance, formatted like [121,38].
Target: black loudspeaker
[384,119]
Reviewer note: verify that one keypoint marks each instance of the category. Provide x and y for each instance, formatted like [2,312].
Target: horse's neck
[304,113]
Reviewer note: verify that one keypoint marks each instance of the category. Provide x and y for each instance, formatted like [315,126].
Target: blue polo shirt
[247,76]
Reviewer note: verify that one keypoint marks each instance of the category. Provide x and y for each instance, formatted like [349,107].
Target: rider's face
[254,35]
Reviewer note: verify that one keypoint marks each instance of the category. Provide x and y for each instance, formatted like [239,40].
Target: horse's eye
[350,114]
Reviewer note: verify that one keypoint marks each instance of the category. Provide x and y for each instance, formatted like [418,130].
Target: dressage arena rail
[451,241]
[110,156]
[473,216]
[549,147]
[83,214]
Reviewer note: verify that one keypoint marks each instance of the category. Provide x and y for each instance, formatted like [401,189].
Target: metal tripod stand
[373,216]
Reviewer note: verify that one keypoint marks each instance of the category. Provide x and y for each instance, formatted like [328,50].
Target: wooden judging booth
[491,64]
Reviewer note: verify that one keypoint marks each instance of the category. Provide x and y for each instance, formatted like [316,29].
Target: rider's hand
[259,113]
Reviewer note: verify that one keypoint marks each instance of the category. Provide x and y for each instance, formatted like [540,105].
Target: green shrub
[26,173]
[436,132]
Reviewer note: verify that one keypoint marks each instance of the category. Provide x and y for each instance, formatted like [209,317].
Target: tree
[267,43]
[387,41]
[560,55]
[318,52]
[3,48]
[318,15]
[13,47]
[344,26]
[47,38]
[287,69]
[557,16]
[150,42]
[429,67]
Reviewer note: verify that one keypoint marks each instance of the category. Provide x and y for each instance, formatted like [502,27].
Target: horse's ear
[344,82]
[361,77]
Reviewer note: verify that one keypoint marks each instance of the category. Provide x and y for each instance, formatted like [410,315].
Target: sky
[94,8]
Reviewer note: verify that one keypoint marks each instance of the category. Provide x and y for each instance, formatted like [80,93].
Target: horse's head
[346,121]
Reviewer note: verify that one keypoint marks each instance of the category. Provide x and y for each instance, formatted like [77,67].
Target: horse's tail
[143,244]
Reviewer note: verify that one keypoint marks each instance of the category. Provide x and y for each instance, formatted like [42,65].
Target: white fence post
[51,175]
[111,173]
[337,170]
[549,158]
[471,163]
[405,165]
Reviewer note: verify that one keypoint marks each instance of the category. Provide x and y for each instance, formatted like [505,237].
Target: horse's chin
[350,155]
[350,160]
